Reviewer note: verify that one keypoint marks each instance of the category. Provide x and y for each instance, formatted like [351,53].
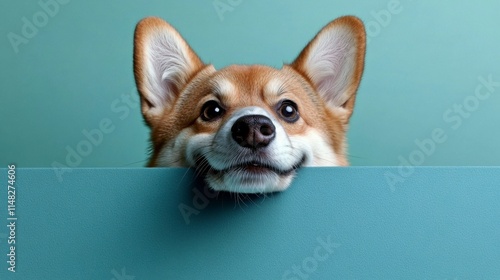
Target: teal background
[441,223]
[420,63]
[75,74]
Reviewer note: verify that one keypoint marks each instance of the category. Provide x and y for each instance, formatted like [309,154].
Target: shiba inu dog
[248,128]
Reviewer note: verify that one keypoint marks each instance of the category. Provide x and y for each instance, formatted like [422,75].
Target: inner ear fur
[163,65]
[333,62]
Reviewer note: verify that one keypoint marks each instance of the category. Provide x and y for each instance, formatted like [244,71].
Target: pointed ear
[333,61]
[163,64]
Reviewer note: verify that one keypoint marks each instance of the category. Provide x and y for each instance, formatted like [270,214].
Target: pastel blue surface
[440,223]
[424,58]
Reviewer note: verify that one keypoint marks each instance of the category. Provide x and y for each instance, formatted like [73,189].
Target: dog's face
[247,129]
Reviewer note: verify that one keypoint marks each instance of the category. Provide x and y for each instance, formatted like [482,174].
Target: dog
[248,128]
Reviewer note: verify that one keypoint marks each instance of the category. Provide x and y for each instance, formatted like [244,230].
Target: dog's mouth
[253,167]
[257,168]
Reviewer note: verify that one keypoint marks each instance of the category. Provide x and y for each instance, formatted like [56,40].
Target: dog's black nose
[253,131]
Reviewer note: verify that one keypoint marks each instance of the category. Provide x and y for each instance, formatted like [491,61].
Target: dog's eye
[211,111]
[288,111]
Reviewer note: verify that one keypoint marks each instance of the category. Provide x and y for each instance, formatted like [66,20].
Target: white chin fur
[237,182]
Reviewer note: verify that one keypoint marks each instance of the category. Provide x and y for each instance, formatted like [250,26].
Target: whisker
[179,185]
[135,162]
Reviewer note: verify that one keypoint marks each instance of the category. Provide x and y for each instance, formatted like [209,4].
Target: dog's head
[247,129]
